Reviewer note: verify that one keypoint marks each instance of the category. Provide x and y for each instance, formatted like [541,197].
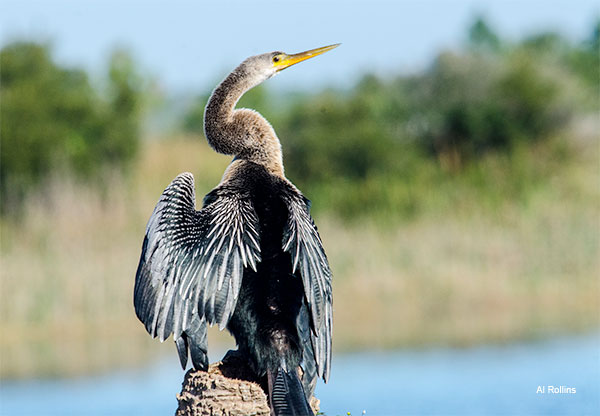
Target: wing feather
[192,262]
[301,239]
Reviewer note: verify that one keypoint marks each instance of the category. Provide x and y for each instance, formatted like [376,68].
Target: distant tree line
[54,120]
[376,144]
[492,97]
[386,138]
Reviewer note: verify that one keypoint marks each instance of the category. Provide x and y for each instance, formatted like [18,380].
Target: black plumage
[251,260]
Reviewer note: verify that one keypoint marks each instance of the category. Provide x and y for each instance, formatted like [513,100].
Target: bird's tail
[286,394]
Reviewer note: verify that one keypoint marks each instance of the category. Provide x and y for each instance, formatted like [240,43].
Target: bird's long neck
[242,133]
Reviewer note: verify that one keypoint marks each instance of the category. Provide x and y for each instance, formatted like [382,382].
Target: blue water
[491,380]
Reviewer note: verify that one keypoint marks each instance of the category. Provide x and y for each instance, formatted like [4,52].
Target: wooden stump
[228,388]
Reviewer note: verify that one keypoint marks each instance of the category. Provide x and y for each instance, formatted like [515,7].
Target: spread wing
[301,239]
[192,262]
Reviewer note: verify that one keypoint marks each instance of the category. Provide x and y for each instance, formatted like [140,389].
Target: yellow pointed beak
[285,61]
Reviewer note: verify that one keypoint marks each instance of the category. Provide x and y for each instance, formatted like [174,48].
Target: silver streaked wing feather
[192,261]
[301,239]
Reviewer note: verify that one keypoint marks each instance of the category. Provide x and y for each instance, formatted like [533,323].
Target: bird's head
[264,66]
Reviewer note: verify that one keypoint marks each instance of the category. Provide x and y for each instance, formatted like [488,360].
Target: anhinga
[251,260]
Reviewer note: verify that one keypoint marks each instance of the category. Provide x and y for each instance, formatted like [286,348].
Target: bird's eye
[276,58]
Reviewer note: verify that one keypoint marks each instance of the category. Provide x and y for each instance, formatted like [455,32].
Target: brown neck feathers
[242,133]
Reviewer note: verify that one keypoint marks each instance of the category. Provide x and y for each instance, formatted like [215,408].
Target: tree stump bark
[228,388]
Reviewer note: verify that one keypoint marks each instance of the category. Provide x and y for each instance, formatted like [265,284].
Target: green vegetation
[54,121]
[377,149]
[456,277]
[458,205]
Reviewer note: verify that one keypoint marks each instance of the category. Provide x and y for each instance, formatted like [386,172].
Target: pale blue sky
[189,45]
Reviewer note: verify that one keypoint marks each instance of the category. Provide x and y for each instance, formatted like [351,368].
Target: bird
[251,260]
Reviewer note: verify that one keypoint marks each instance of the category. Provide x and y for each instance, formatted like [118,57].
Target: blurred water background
[451,151]
[479,380]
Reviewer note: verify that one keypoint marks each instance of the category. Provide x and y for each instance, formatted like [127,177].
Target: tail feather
[287,395]
[182,349]
[194,341]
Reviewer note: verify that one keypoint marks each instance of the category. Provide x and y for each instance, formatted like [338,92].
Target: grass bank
[481,273]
